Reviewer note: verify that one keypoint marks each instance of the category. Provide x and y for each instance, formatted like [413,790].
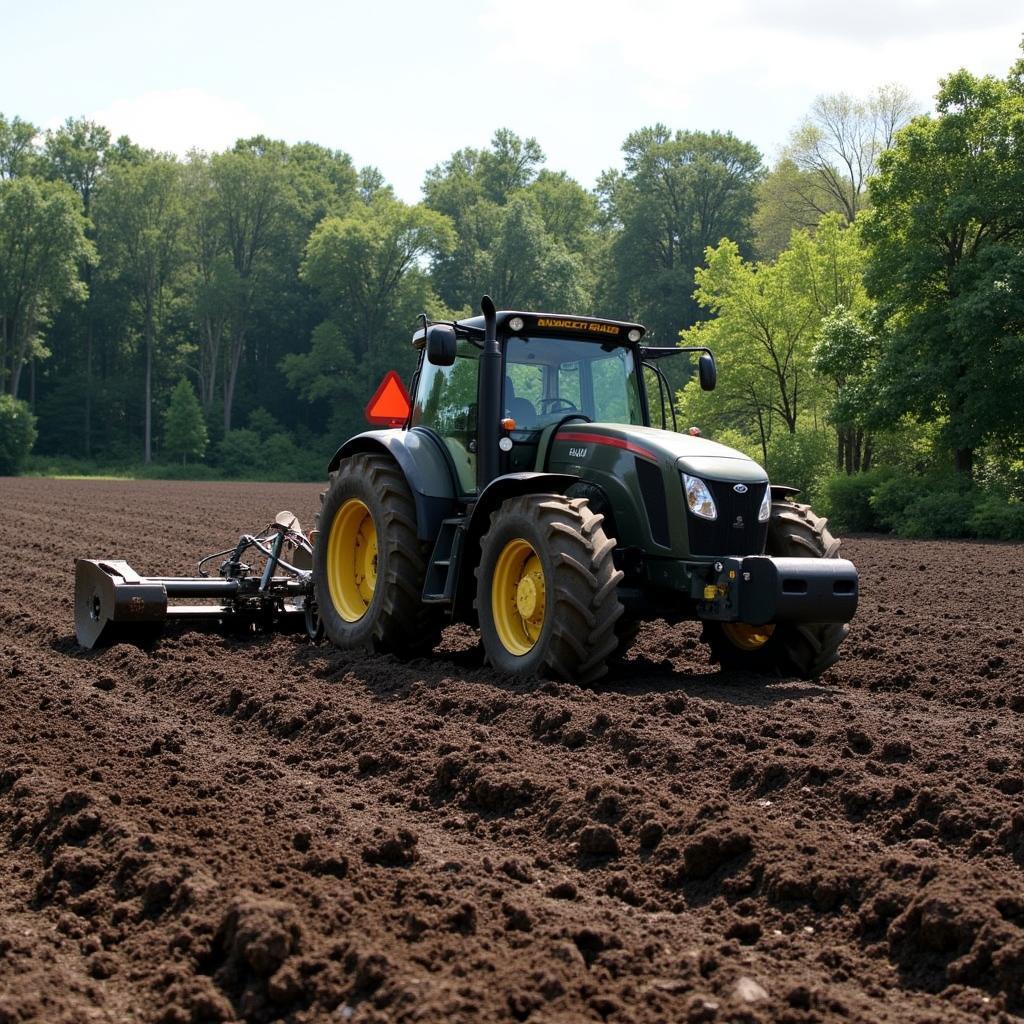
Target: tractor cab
[553,370]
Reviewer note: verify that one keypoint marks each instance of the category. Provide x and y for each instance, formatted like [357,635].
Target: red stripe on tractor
[614,442]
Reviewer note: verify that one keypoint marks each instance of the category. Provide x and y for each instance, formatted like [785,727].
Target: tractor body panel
[639,470]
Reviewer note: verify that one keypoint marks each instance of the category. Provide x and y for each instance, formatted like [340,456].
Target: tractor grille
[652,489]
[725,535]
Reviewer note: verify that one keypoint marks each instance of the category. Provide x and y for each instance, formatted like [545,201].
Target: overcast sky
[402,85]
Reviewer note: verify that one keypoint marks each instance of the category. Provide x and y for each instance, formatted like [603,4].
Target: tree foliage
[947,264]
[766,332]
[184,427]
[837,148]
[523,234]
[366,267]
[42,244]
[17,434]
[140,212]
[283,281]
[678,194]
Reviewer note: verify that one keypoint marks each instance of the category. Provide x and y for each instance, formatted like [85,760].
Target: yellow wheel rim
[748,638]
[352,560]
[518,597]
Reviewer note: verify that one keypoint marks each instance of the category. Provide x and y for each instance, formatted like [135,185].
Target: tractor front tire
[784,648]
[369,564]
[546,592]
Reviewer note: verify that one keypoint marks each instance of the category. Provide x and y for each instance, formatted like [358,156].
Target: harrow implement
[114,603]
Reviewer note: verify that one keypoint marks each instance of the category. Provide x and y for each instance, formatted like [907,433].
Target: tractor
[522,489]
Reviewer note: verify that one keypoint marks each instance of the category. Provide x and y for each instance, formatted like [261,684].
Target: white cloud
[177,120]
[748,65]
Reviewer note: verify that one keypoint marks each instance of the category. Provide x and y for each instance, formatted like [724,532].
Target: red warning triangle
[390,405]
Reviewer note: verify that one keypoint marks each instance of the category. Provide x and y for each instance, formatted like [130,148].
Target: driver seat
[521,410]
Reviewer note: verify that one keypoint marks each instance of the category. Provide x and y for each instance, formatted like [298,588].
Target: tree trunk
[964,462]
[88,388]
[209,357]
[764,440]
[148,456]
[16,374]
[231,375]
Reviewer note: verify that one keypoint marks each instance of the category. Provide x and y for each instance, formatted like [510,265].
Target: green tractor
[526,492]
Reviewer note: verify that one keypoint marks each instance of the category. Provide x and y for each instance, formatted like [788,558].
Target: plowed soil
[222,829]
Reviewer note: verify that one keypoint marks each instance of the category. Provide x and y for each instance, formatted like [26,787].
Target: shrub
[263,423]
[800,460]
[242,454]
[17,434]
[915,506]
[997,516]
[184,429]
[176,471]
[846,500]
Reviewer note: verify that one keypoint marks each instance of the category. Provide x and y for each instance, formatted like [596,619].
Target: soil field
[220,830]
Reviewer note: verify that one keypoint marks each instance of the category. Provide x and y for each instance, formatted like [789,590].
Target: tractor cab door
[446,403]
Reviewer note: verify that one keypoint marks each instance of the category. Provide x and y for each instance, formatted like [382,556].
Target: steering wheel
[555,404]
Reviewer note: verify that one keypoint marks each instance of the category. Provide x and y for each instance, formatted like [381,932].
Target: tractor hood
[694,455]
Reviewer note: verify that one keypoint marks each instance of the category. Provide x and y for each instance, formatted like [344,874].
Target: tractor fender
[511,485]
[424,466]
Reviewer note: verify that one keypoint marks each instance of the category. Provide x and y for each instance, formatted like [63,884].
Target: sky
[403,85]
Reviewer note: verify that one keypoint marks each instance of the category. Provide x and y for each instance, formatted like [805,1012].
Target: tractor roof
[560,323]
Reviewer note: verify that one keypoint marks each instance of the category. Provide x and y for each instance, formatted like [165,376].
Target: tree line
[863,295]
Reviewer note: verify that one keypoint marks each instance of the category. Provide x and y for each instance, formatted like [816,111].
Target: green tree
[527,267]
[762,335]
[781,210]
[679,194]
[838,146]
[257,214]
[17,148]
[366,269]
[42,247]
[17,434]
[184,426]
[76,153]
[847,354]
[947,264]
[526,235]
[139,216]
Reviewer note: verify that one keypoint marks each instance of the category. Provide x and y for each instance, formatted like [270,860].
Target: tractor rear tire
[791,648]
[546,593]
[369,564]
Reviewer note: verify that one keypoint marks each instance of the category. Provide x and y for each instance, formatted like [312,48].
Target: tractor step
[443,570]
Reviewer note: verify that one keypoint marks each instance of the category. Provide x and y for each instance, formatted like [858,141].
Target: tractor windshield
[547,379]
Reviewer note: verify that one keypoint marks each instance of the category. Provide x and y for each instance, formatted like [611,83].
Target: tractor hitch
[113,603]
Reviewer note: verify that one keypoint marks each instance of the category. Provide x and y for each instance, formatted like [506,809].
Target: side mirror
[441,344]
[707,371]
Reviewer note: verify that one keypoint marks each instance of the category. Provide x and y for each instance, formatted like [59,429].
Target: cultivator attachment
[114,603]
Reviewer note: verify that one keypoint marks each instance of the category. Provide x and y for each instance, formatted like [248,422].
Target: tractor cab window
[547,379]
[446,402]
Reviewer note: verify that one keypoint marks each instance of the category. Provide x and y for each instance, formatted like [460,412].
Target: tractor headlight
[698,497]
[766,506]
